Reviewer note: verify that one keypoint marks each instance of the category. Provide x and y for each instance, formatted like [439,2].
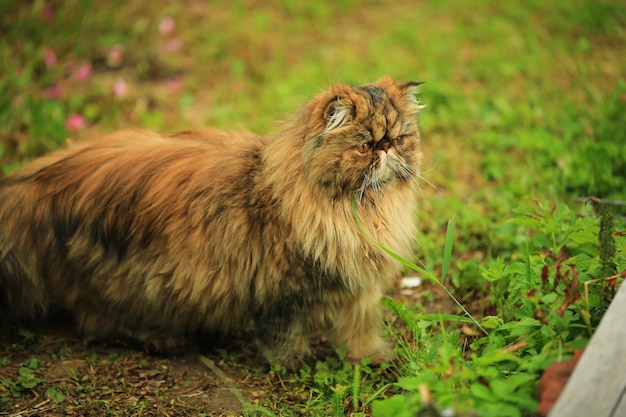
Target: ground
[98,379]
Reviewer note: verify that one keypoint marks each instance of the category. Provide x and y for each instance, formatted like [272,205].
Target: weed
[542,317]
[55,395]
[25,380]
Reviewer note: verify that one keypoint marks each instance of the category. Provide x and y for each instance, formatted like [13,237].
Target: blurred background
[524,119]
[523,98]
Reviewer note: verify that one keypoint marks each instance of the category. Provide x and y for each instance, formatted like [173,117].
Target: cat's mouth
[383,172]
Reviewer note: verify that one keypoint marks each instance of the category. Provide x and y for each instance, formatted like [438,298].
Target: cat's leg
[160,342]
[357,326]
[284,334]
[97,325]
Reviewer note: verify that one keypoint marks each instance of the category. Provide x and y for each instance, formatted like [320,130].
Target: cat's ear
[337,112]
[409,88]
[330,110]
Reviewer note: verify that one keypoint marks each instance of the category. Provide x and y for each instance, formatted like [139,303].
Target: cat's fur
[156,237]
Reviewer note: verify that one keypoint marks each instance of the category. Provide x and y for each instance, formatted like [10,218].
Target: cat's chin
[378,185]
[385,177]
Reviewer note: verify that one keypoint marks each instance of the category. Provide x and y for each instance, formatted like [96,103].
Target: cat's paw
[287,365]
[163,345]
[376,349]
[291,358]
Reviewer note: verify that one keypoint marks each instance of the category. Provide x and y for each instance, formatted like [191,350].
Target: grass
[524,121]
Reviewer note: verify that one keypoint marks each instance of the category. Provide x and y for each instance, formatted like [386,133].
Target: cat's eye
[364,147]
[397,141]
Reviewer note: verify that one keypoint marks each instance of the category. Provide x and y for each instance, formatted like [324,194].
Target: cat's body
[155,238]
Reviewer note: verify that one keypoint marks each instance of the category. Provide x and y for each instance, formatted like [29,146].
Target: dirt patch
[71,377]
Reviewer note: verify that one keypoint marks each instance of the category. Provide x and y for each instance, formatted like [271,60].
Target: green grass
[524,121]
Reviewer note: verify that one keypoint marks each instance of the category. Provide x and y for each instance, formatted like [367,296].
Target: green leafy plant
[26,378]
[55,395]
[542,317]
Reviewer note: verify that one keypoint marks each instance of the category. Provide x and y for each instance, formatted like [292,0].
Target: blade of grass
[376,394]
[356,381]
[428,274]
[447,248]
[248,409]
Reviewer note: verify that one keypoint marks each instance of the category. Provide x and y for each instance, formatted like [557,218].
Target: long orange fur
[157,238]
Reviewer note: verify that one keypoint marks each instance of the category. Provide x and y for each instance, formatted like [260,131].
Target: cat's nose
[383,144]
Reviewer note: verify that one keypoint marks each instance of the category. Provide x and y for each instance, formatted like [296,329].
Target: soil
[97,379]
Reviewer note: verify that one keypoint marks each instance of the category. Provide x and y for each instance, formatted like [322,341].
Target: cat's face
[368,140]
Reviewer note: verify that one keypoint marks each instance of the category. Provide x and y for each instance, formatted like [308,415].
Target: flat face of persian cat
[371,139]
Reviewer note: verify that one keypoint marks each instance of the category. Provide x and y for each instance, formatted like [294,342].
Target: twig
[188,390]
[514,347]
[593,281]
[600,200]
[34,410]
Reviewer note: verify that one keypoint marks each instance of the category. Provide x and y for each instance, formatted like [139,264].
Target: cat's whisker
[414,175]
[405,171]
[408,172]
[420,177]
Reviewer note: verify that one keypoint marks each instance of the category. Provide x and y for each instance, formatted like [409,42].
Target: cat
[158,238]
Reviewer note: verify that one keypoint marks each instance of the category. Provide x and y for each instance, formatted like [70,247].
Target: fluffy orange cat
[158,238]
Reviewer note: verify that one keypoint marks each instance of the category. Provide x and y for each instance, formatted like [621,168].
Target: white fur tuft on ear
[337,114]
[414,104]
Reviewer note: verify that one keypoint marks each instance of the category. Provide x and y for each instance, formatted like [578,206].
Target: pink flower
[49,57]
[171,45]
[53,92]
[120,88]
[174,85]
[83,72]
[75,122]
[115,55]
[48,13]
[167,25]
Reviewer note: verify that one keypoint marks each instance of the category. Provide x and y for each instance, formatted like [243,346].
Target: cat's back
[133,222]
[132,179]
[130,158]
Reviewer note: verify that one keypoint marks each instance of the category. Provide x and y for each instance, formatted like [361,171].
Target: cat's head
[363,139]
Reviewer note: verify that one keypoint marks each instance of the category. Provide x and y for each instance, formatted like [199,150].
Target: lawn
[524,121]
